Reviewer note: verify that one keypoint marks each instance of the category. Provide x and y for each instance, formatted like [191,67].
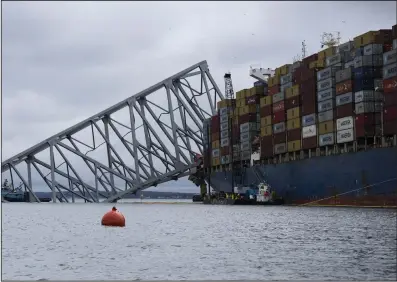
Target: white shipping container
[326,139]
[247,136]
[224,142]
[280,148]
[285,86]
[215,153]
[225,111]
[373,49]
[390,57]
[224,119]
[327,73]
[344,74]
[344,136]
[378,107]
[364,107]
[325,116]
[224,126]
[390,71]
[245,146]
[248,126]
[325,94]
[335,59]
[225,134]
[278,97]
[245,155]
[225,159]
[326,105]
[344,99]
[325,84]
[309,120]
[345,47]
[286,78]
[296,65]
[378,83]
[344,123]
[364,96]
[349,64]
[279,127]
[309,131]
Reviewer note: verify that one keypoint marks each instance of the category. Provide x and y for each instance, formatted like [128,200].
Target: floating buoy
[113,218]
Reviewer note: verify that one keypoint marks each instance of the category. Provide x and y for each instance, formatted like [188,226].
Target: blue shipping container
[260,83]
[363,84]
[359,52]
[367,72]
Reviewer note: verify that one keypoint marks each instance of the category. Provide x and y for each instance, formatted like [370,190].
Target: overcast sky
[65,61]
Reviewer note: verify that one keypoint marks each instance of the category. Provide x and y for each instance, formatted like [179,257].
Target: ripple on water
[198,242]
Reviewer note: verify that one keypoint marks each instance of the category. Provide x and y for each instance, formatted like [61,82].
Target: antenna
[329,39]
[229,93]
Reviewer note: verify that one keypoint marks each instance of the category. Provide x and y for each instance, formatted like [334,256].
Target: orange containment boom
[113,218]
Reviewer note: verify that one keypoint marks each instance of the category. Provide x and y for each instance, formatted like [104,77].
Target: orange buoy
[113,218]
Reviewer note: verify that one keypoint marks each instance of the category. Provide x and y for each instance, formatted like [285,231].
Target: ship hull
[328,181]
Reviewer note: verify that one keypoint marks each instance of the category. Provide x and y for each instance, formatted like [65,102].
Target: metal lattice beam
[156,150]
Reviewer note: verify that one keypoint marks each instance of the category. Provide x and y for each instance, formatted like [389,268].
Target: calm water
[193,241]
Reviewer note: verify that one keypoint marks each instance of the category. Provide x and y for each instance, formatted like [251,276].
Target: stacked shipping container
[328,98]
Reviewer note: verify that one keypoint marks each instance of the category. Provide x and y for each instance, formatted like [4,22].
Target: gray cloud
[65,61]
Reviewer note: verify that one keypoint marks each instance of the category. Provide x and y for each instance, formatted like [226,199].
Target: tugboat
[17,195]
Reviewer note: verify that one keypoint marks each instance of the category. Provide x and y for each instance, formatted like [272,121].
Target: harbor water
[195,241]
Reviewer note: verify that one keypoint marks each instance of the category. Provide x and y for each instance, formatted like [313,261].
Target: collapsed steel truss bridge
[149,138]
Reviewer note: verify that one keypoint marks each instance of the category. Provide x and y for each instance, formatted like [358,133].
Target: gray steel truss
[155,139]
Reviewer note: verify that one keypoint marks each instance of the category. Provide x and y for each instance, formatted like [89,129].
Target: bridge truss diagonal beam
[147,139]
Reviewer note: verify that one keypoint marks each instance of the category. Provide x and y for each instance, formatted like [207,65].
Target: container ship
[321,130]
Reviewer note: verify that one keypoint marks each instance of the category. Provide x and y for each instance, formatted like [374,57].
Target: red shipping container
[390,127]
[294,134]
[279,138]
[308,107]
[308,74]
[225,151]
[278,117]
[344,87]
[279,107]
[367,119]
[345,110]
[309,143]
[252,100]
[390,85]
[390,113]
[387,47]
[247,118]
[266,111]
[292,102]
[367,130]
[384,36]
[215,136]
[273,90]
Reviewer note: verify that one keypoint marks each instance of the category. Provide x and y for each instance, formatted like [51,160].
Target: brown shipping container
[292,102]
[267,140]
[267,147]
[384,36]
[308,86]
[266,111]
[279,138]
[225,151]
[390,127]
[344,87]
[306,61]
[247,118]
[345,110]
[308,107]
[215,136]
[309,143]
[294,134]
